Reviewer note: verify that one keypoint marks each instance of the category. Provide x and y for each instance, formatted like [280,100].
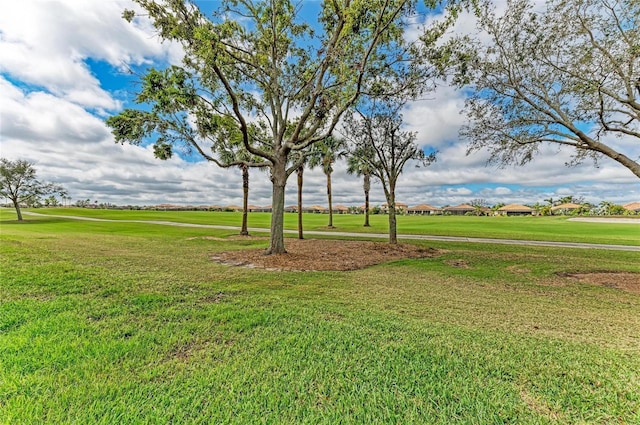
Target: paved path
[367,235]
[606,220]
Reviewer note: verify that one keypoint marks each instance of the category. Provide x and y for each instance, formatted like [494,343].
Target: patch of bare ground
[461,264]
[324,255]
[625,281]
[232,238]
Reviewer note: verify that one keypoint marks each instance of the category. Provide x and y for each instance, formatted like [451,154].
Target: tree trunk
[244,231]
[300,172]
[279,181]
[367,188]
[330,201]
[16,204]
[391,200]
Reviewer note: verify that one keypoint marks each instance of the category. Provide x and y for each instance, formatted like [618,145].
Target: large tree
[567,75]
[377,137]
[19,183]
[260,62]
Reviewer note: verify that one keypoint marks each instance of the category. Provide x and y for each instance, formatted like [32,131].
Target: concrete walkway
[367,235]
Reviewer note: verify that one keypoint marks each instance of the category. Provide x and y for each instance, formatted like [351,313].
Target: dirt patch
[324,255]
[229,238]
[461,264]
[626,281]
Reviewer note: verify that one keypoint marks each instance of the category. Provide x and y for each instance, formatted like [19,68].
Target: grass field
[104,323]
[525,228]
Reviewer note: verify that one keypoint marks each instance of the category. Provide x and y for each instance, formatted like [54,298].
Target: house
[424,209]
[400,207]
[316,209]
[256,208]
[291,209]
[633,207]
[515,209]
[464,209]
[563,209]
[340,209]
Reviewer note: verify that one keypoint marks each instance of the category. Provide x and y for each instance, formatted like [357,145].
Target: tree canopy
[567,75]
[257,70]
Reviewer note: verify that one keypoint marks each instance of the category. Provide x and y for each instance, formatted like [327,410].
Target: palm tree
[326,153]
[234,154]
[300,159]
[356,164]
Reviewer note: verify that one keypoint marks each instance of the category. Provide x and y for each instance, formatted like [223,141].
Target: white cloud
[53,106]
[46,43]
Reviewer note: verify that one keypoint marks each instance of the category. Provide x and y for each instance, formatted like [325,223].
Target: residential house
[515,209]
[400,208]
[316,209]
[424,209]
[563,209]
[340,209]
[256,208]
[464,209]
[633,207]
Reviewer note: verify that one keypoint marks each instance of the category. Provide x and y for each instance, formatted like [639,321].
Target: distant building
[340,209]
[400,207]
[257,208]
[464,209]
[316,209]
[424,209]
[633,207]
[565,208]
[515,209]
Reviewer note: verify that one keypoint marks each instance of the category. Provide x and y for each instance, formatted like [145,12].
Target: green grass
[523,228]
[132,323]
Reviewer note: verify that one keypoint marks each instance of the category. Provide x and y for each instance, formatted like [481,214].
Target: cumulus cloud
[46,43]
[54,102]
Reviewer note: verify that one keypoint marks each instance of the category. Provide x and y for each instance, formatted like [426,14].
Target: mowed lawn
[557,228]
[107,322]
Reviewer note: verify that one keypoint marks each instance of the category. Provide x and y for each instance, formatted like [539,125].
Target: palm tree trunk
[329,200]
[367,188]
[300,172]
[244,231]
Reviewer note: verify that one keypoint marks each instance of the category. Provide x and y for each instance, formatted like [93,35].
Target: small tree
[325,153]
[378,131]
[479,206]
[300,158]
[18,182]
[360,166]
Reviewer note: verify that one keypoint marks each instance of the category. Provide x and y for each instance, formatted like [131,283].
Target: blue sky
[63,71]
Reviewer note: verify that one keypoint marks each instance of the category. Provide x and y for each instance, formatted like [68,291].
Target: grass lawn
[104,323]
[556,228]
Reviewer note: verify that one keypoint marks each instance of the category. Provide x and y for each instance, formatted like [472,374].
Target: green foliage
[565,75]
[259,62]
